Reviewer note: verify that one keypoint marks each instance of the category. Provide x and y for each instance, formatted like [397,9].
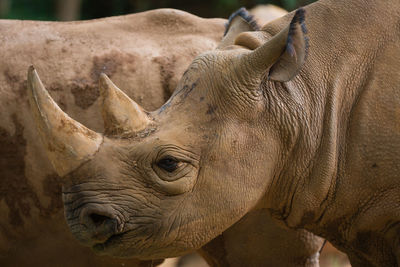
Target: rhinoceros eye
[169,164]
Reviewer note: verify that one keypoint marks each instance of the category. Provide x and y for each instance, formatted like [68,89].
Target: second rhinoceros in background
[266,13]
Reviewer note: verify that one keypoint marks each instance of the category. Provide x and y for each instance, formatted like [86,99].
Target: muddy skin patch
[166,68]
[20,85]
[52,189]
[15,189]
[11,78]
[111,63]
[21,90]
[55,87]
[16,83]
[61,102]
[85,92]
[106,64]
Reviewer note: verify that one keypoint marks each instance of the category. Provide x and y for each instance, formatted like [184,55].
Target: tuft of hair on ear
[298,18]
[244,14]
[295,51]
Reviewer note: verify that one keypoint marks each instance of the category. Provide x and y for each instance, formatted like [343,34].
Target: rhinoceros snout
[100,222]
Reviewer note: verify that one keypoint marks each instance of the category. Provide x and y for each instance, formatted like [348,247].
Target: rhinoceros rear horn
[120,113]
[67,142]
[284,54]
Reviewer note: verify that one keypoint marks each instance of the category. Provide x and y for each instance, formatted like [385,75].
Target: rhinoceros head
[160,184]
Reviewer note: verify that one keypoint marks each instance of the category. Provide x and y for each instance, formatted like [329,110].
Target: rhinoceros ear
[67,142]
[120,113]
[240,21]
[283,55]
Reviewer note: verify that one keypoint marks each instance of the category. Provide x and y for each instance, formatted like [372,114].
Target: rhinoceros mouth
[112,241]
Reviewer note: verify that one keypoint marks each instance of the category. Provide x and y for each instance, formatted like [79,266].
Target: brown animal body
[266,13]
[120,194]
[145,53]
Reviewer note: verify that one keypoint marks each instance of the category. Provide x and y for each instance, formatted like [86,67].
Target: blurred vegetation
[90,9]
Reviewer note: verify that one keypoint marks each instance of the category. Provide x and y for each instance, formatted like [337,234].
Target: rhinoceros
[145,53]
[137,190]
[264,14]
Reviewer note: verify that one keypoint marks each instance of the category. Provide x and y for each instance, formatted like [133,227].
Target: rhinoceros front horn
[68,143]
[120,113]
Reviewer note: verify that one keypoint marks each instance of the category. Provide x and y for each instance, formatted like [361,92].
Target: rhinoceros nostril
[97,223]
[98,219]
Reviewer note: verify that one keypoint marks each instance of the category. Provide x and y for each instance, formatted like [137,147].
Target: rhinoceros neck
[318,102]
[345,92]
[256,240]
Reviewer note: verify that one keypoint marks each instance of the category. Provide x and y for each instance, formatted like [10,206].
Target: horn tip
[33,78]
[105,84]
[31,72]
[104,77]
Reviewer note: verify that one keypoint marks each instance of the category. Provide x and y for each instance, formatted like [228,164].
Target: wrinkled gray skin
[123,199]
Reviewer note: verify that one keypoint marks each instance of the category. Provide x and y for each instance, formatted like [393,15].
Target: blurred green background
[90,9]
